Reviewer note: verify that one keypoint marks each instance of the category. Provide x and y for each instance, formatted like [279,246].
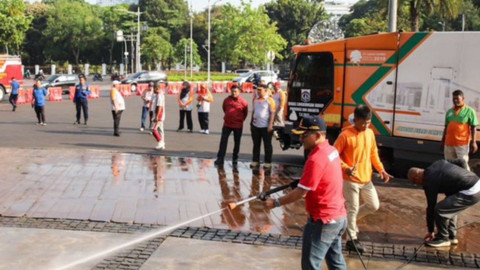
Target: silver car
[269,77]
[61,80]
[144,77]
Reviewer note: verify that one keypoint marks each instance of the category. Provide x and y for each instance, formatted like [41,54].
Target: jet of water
[140,239]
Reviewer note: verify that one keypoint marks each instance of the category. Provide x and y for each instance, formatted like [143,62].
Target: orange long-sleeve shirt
[358,148]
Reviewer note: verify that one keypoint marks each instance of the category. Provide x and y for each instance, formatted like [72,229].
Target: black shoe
[116,134]
[190,130]
[85,123]
[350,246]
[234,162]
[76,123]
[14,108]
[218,162]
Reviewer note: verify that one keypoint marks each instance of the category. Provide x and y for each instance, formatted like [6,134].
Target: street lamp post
[191,41]
[138,65]
[208,52]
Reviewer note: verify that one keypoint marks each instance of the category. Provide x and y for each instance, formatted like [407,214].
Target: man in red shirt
[236,111]
[322,186]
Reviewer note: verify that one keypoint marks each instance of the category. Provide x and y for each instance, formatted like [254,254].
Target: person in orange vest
[185,100]
[204,99]
[460,132]
[358,151]
[280,98]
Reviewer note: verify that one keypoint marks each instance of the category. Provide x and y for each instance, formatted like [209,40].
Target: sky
[199,5]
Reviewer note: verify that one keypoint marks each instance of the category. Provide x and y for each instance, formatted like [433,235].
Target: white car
[269,77]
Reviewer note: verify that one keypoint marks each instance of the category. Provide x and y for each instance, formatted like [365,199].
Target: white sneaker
[160,146]
[206,131]
[202,131]
[44,124]
[142,129]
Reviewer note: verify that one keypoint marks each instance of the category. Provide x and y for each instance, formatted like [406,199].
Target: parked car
[144,77]
[60,80]
[241,71]
[269,77]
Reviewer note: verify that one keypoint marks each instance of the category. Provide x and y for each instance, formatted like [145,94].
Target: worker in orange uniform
[358,151]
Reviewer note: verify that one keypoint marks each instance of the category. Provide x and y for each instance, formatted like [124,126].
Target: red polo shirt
[322,177]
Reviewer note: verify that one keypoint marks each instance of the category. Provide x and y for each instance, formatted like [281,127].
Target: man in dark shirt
[462,189]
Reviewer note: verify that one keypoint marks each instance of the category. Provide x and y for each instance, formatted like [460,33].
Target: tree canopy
[14,24]
[244,35]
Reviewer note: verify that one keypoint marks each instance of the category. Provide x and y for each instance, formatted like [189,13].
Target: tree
[371,16]
[179,52]
[34,42]
[13,24]
[245,35]
[294,19]
[448,9]
[74,27]
[169,14]
[156,49]
[112,21]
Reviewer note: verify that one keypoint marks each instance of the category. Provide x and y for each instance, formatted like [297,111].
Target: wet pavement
[89,190]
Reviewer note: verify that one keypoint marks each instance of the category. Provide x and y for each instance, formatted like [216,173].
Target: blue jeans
[144,116]
[323,241]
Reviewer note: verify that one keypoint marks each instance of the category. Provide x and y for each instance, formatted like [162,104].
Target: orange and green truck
[406,79]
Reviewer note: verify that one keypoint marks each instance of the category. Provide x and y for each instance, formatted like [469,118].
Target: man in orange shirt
[358,151]
[460,129]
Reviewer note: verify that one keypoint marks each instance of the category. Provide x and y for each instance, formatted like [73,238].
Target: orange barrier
[125,90]
[71,92]
[141,87]
[94,92]
[230,85]
[25,96]
[174,88]
[55,94]
[247,88]
[21,97]
[218,87]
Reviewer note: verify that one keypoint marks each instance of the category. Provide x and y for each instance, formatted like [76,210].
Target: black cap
[310,123]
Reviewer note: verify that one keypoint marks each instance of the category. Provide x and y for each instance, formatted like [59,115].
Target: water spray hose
[263,195]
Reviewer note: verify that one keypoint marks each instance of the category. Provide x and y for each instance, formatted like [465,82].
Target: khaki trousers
[455,152]
[353,192]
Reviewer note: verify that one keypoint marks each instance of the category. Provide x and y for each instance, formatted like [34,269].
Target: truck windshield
[313,70]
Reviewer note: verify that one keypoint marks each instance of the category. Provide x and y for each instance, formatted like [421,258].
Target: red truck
[10,66]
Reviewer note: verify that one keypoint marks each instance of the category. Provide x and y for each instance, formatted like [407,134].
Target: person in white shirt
[158,108]
[147,99]
[118,106]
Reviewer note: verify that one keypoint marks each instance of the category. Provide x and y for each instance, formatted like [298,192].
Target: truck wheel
[2,92]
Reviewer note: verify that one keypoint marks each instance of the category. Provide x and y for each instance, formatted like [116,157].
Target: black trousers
[189,119]
[259,135]
[40,112]
[116,121]
[237,136]
[203,120]
[13,100]
[79,105]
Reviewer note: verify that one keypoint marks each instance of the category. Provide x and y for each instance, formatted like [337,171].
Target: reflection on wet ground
[152,189]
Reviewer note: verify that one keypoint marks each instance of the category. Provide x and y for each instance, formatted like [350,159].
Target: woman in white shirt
[118,106]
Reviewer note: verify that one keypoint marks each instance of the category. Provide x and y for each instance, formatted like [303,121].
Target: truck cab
[10,66]
[406,79]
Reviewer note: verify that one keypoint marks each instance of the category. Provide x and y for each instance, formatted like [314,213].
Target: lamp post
[191,41]
[208,52]
[137,49]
